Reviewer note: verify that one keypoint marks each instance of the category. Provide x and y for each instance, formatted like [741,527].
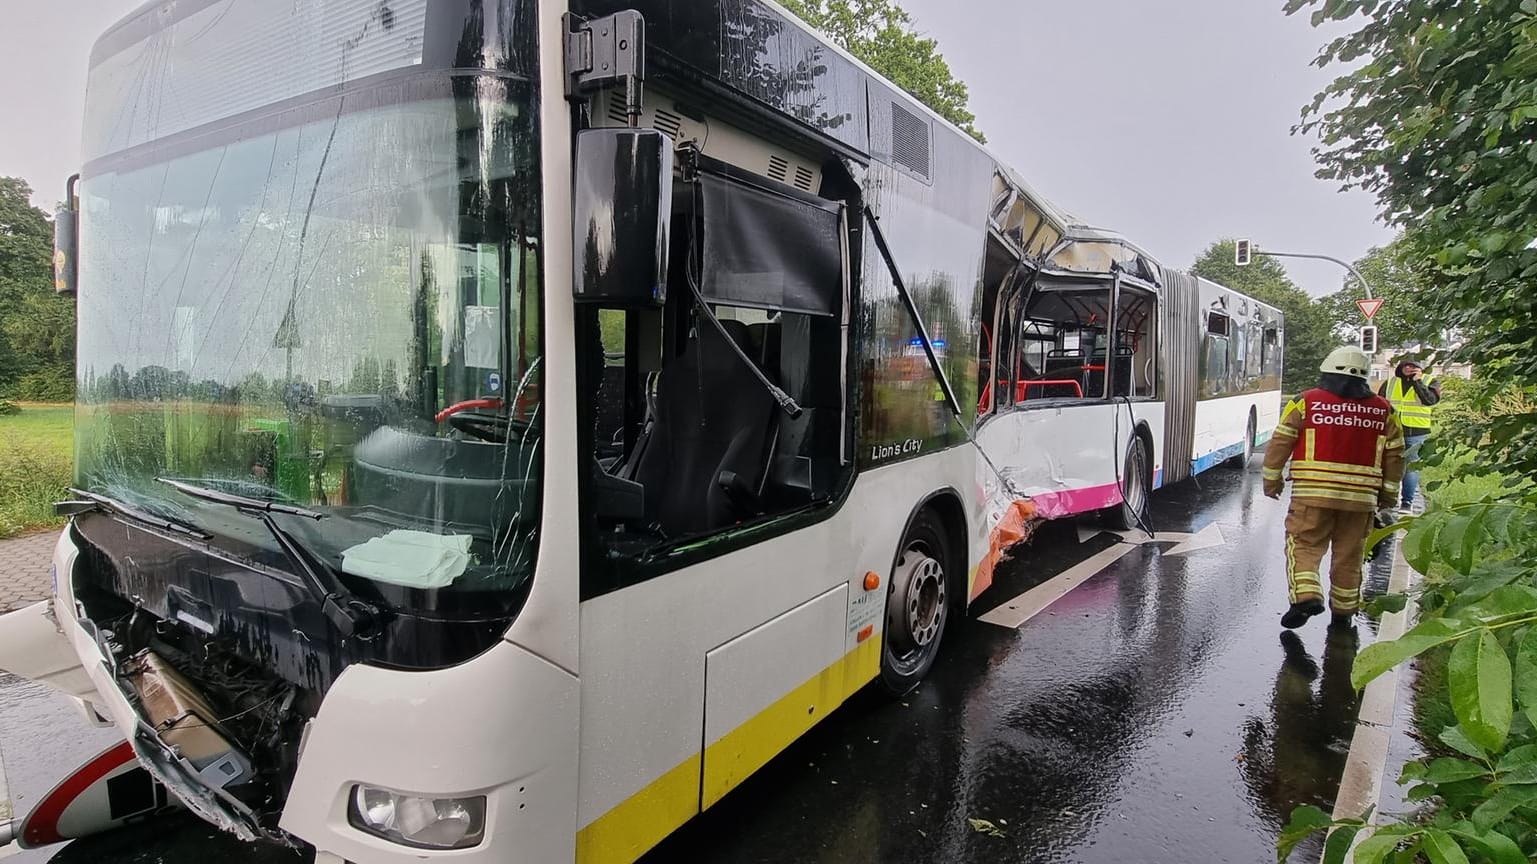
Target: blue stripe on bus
[1217,457]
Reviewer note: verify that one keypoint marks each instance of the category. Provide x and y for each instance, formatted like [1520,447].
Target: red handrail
[1022,391]
[1023,386]
[467,405]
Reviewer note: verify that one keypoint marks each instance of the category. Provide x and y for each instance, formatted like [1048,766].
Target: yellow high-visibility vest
[1413,414]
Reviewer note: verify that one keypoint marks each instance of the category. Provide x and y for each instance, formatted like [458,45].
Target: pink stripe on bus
[1070,502]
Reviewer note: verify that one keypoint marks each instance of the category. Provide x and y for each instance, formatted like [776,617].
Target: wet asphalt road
[1153,714]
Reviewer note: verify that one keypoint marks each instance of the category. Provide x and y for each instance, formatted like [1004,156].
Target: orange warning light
[872,580]
[865,633]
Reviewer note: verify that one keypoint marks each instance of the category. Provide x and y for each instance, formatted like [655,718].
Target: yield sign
[1369,308]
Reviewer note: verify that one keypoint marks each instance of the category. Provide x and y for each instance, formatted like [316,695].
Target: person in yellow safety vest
[1415,395]
[1346,451]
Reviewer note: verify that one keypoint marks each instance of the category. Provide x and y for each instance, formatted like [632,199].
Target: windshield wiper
[91,501]
[350,615]
[244,502]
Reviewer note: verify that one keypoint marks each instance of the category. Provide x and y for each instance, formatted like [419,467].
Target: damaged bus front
[308,430]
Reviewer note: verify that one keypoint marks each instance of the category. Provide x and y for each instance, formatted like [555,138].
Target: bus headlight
[414,820]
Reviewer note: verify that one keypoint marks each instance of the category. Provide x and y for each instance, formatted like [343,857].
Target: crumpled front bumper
[95,666]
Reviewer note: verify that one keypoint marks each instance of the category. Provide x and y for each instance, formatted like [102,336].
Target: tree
[880,33]
[37,327]
[1309,328]
[1437,118]
[1401,274]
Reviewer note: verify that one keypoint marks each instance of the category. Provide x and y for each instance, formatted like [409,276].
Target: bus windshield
[333,307]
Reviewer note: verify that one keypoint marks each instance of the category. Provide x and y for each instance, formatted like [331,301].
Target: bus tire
[1136,487]
[917,603]
[1246,456]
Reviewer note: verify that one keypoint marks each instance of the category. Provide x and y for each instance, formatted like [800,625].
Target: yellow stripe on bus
[641,821]
[751,745]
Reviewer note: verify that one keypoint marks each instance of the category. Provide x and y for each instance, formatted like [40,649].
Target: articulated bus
[504,425]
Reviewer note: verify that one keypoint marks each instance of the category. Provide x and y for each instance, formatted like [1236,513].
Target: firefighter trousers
[1310,532]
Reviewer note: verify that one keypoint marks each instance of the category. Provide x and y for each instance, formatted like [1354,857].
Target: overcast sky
[1168,121]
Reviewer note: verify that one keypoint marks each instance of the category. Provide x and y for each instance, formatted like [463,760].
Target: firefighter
[1346,450]
[1414,395]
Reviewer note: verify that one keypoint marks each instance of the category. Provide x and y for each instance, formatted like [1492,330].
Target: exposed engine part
[185,721]
[212,689]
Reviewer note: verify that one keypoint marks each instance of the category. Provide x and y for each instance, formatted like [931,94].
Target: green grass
[36,456]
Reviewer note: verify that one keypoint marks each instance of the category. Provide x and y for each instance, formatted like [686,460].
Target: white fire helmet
[1347,360]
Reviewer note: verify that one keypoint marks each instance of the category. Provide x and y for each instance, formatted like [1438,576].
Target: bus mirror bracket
[605,51]
[66,241]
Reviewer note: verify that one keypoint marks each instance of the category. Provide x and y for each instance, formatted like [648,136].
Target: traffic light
[1243,253]
[1369,340]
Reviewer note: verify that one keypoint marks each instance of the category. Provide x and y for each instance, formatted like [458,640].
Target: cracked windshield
[338,313]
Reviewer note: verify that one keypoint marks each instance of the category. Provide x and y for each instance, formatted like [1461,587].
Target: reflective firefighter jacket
[1347,454]
[1414,409]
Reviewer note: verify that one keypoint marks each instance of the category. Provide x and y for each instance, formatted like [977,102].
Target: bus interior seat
[713,425]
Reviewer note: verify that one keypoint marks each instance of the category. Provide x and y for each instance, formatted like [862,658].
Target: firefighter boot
[1300,612]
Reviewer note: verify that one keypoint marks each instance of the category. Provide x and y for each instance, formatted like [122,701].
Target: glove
[1387,502]
[1273,488]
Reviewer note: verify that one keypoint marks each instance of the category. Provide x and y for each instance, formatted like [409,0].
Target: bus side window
[1214,355]
[1064,340]
[1254,361]
[1134,368]
[1270,352]
[756,290]
[609,441]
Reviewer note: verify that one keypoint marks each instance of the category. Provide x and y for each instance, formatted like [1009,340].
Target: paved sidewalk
[24,569]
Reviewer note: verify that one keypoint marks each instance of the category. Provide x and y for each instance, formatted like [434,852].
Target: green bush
[8,408]
[49,384]
[33,475]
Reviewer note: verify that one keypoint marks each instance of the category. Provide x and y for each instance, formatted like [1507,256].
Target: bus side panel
[1063,457]
[1220,425]
[1150,416]
[744,724]
[644,649]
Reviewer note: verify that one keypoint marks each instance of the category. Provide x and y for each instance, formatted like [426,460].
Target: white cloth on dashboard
[415,559]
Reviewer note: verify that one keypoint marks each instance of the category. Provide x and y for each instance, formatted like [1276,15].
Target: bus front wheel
[917,604]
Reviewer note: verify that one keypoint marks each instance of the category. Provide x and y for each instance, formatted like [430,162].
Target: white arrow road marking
[1014,613]
[1135,536]
[1207,538]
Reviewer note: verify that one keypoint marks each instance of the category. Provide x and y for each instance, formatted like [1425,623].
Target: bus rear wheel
[1246,456]
[1136,487]
[917,605]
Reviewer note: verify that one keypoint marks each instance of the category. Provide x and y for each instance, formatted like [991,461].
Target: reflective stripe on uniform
[1340,467]
[1325,480]
[1271,474]
[1343,599]
[1303,584]
[1333,493]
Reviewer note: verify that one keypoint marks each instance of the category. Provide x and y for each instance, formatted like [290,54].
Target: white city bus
[496,441]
